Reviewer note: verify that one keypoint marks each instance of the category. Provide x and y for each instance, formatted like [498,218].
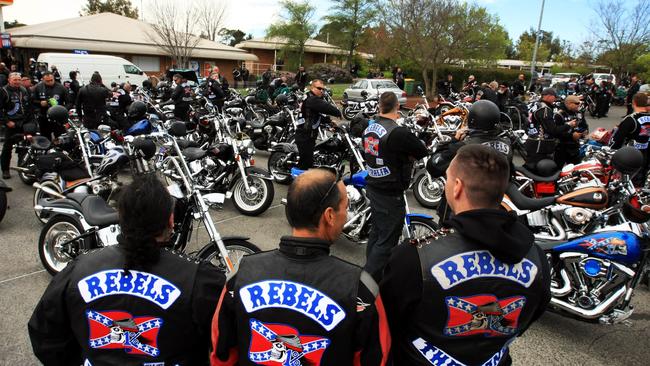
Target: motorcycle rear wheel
[58,230]
[237,249]
[277,167]
[257,201]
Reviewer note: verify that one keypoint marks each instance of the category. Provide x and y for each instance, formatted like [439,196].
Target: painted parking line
[21,276]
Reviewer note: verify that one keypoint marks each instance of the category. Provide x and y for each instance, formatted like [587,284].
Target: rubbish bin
[409,86]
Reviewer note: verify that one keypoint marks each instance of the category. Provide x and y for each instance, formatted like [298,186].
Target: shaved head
[309,196]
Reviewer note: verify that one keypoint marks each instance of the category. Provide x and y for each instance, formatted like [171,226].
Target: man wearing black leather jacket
[91,102]
[543,127]
[134,303]
[298,305]
[568,149]
[48,93]
[118,105]
[16,107]
[72,86]
[389,151]
[473,288]
[312,110]
[518,87]
[181,98]
[214,92]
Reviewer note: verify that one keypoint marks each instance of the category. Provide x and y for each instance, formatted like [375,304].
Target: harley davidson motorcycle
[81,221]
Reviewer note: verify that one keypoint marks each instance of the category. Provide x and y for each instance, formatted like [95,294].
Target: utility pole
[537,39]
[328,42]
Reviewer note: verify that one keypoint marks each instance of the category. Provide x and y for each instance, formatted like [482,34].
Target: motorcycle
[368,107]
[81,222]
[4,189]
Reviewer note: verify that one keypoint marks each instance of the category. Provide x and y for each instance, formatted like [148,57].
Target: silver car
[373,87]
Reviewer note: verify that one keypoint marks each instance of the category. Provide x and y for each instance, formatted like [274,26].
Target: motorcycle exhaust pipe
[596,312]
[19,169]
[48,190]
[564,290]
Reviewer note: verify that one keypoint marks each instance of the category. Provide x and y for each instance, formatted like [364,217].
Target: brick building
[112,34]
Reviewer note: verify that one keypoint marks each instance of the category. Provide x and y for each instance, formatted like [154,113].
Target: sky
[568,19]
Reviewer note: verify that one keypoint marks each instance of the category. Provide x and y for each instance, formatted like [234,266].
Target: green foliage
[327,71]
[233,36]
[642,65]
[552,46]
[525,50]
[352,17]
[331,33]
[119,7]
[296,27]
[461,74]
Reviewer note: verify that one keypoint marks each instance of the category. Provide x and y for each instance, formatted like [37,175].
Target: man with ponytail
[134,303]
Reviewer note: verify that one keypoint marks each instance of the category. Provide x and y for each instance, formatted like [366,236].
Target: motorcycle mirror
[177,129]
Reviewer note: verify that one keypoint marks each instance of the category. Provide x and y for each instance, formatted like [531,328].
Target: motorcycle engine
[577,216]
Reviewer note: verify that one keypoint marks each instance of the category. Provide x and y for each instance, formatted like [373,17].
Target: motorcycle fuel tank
[618,246]
[595,198]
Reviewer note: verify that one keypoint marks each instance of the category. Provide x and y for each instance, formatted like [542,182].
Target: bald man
[297,302]
[572,126]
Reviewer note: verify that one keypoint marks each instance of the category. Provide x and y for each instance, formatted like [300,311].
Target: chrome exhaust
[48,190]
[564,290]
[596,312]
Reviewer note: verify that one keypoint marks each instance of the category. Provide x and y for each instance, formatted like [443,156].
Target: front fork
[212,230]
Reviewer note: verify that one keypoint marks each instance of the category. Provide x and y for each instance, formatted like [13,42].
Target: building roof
[312,45]
[111,33]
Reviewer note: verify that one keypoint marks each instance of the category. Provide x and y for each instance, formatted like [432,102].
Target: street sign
[80,52]
[6,40]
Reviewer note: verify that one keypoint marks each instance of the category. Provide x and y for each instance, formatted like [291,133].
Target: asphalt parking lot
[554,340]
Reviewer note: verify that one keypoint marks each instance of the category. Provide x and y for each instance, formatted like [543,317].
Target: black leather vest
[295,311]
[642,135]
[384,170]
[145,317]
[473,305]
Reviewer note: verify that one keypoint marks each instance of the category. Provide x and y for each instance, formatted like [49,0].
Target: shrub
[328,71]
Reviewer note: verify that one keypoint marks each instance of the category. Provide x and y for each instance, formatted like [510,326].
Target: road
[553,340]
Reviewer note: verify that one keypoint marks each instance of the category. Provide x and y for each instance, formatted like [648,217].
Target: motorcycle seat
[60,203]
[194,153]
[184,144]
[526,203]
[538,178]
[97,212]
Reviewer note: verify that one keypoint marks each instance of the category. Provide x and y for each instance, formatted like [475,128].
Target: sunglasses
[331,187]
[320,88]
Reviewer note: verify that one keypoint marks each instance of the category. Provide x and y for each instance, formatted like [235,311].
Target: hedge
[461,74]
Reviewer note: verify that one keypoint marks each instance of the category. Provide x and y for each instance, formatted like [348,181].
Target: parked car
[564,77]
[112,69]
[599,77]
[373,87]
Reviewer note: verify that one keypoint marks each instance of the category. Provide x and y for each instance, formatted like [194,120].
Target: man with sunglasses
[314,111]
[389,151]
[298,305]
[568,149]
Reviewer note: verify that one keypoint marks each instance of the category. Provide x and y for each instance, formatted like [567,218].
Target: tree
[642,65]
[352,16]
[120,7]
[430,33]
[623,33]
[233,36]
[295,27]
[210,18]
[526,47]
[331,33]
[13,24]
[172,30]
[552,45]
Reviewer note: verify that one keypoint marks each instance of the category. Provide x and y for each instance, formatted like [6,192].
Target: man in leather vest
[635,129]
[48,93]
[389,151]
[213,91]
[473,288]
[542,126]
[180,98]
[16,112]
[312,110]
[297,305]
[72,86]
[134,303]
[568,150]
[118,105]
[91,102]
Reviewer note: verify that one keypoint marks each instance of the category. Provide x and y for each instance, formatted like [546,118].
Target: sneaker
[6,175]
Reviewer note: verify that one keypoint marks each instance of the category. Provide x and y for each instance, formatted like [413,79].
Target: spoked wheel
[39,194]
[278,167]
[420,227]
[349,113]
[51,249]
[257,199]
[428,192]
[237,249]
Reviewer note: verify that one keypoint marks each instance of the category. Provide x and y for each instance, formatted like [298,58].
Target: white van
[111,68]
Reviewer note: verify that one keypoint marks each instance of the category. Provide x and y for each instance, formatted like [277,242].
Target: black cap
[549,91]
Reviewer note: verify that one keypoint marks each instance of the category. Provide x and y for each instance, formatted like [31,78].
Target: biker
[446,87]
[518,87]
[16,113]
[633,129]
[133,302]
[298,305]
[568,149]
[26,82]
[631,91]
[389,151]
[119,103]
[48,93]
[603,98]
[464,296]
[470,86]
[503,96]
[543,127]
[56,74]
[91,102]
[181,98]
[312,110]
[72,86]
[215,94]
[236,75]
[301,78]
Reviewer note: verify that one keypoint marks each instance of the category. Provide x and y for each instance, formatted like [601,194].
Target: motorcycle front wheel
[428,193]
[349,113]
[59,230]
[278,168]
[237,249]
[420,227]
[257,200]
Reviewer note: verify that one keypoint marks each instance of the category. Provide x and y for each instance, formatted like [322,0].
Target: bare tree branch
[173,29]
[211,16]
